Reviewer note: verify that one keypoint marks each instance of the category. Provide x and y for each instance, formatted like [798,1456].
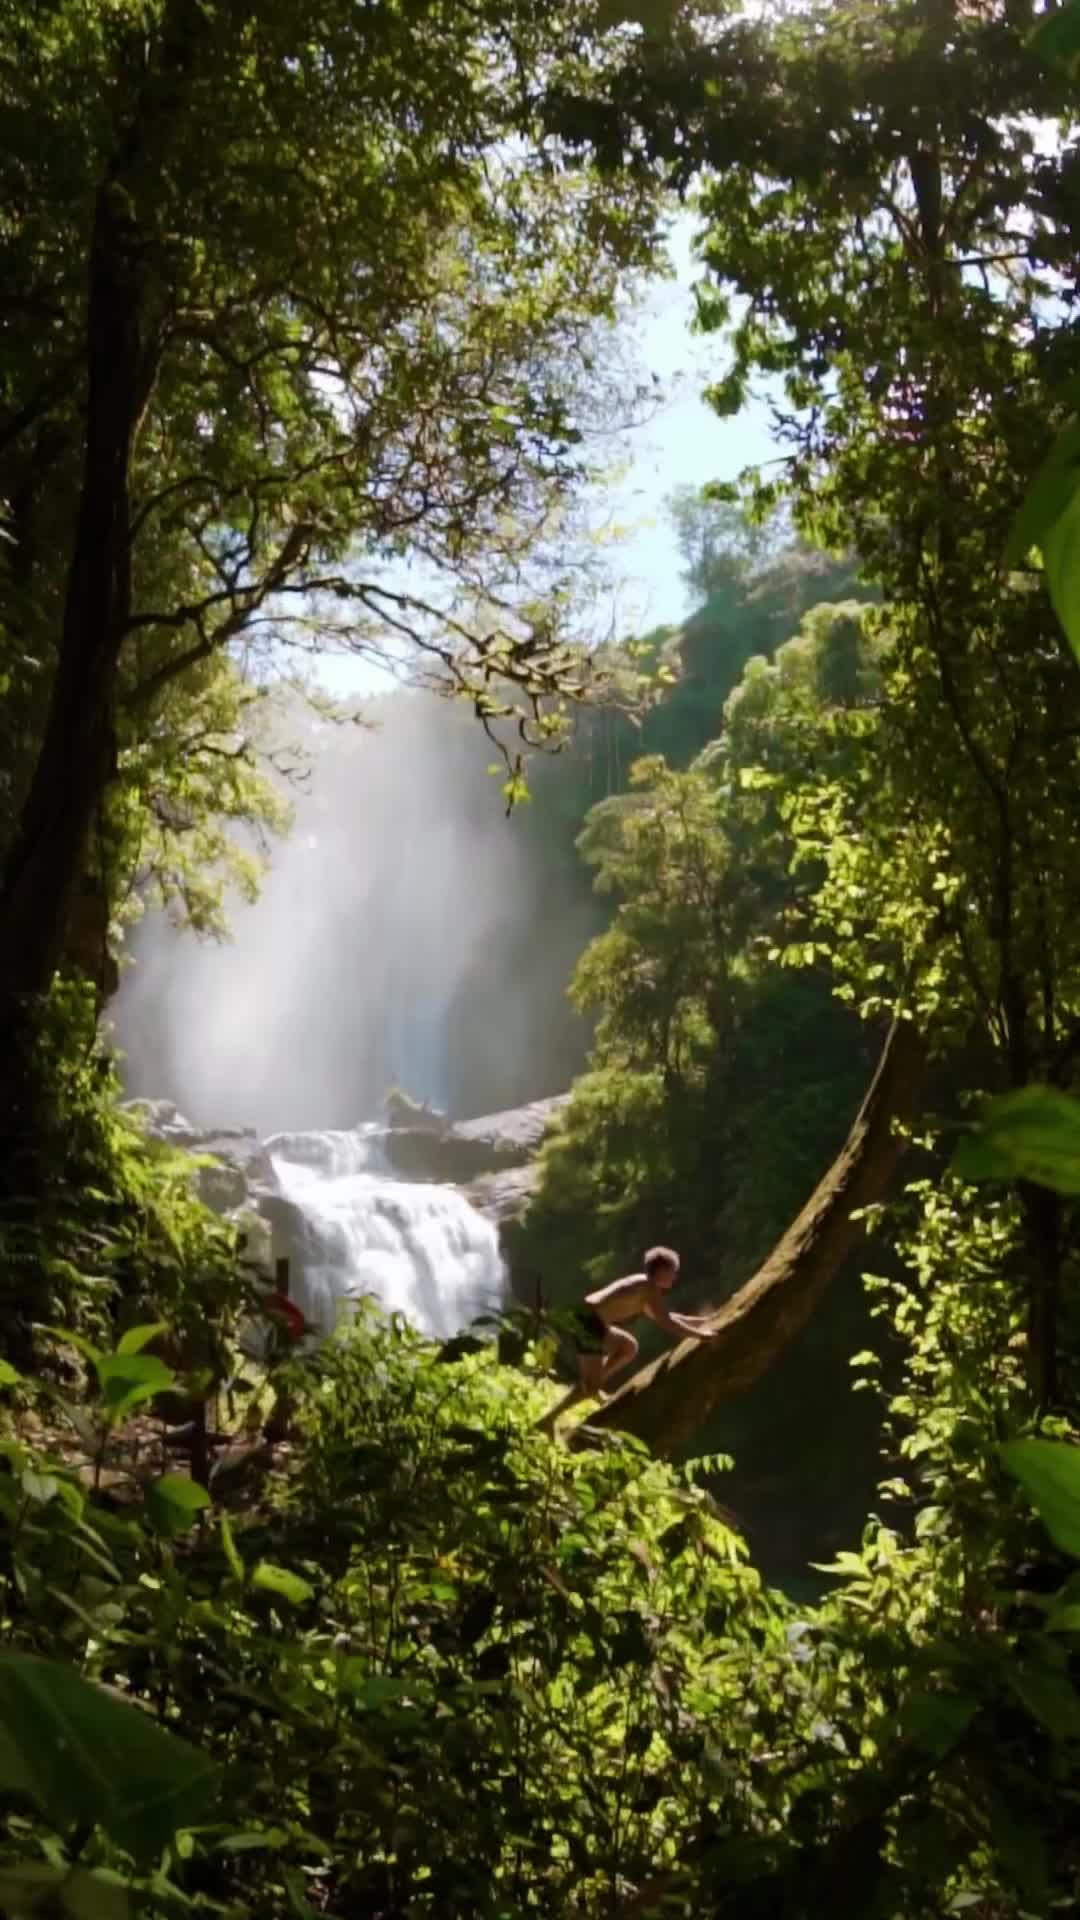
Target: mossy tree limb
[668,1400]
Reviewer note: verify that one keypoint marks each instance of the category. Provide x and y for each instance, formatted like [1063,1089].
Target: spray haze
[408,933]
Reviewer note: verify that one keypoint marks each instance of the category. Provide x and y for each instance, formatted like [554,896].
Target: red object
[287,1310]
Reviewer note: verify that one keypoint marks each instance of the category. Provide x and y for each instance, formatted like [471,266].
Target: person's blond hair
[660,1257]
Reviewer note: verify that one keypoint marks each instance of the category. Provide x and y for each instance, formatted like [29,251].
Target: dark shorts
[590,1331]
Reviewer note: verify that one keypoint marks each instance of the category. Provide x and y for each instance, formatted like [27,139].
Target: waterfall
[352,1229]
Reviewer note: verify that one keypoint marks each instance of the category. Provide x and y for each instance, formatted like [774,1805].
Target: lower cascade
[354,1230]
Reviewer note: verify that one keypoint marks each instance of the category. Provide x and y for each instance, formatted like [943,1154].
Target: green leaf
[1051,492]
[1048,1697]
[1061,556]
[127,1379]
[1056,39]
[39,1487]
[136,1338]
[87,1758]
[9,1375]
[34,1887]
[936,1721]
[173,1503]
[1064,1619]
[373,1690]
[1033,1134]
[1049,1472]
[236,1564]
[254,1840]
[289,1586]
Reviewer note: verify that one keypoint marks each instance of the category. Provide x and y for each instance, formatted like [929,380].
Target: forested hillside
[309,347]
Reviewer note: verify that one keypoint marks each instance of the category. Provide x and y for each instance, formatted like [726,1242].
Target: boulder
[463,1151]
[503,1198]
[161,1118]
[413,1153]
[221,1186]
[512,1138]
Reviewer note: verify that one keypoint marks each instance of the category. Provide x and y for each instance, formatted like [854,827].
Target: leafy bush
[448,1667]
[96,1221]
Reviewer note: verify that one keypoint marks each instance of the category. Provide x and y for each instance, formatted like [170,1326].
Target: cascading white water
[421,1250]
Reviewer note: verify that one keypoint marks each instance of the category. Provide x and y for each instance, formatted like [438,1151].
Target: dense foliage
[405,1654]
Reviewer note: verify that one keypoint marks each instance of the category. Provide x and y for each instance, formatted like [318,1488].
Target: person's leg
[592,1363]
[620,1350]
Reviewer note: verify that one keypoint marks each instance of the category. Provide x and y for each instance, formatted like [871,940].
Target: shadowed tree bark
[669,1399]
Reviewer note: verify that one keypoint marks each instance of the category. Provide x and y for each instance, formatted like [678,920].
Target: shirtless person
[603,1345]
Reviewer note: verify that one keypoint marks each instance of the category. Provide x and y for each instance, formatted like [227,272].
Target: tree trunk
[668,1400]
[148,93]
[77,756]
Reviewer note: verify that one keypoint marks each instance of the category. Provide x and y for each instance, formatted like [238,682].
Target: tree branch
[669,1399]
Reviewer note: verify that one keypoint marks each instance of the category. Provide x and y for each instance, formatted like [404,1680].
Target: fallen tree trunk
[669,1399]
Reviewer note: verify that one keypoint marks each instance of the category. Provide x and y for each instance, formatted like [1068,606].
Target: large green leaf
[127,1379]
[34,1887]
[1061,554]
[1049,1472]
[88,1758]
[1032,1134]
[136,1338]
[174,1503]
[937,1721]
[1052,491]
[1048,1696]
[1057,36]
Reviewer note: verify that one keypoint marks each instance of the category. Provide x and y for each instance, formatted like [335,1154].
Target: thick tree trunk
[47,859]
[668,1400]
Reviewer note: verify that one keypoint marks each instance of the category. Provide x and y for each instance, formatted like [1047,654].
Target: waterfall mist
[407,933]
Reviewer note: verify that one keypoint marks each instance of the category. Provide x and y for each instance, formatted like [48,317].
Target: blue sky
[683,444]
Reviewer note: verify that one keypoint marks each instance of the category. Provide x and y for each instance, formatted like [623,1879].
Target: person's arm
[678,1325]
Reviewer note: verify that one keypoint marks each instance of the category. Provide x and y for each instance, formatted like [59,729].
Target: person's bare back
[622,1300]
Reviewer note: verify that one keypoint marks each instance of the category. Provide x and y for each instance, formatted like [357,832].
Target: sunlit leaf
[136,1338]
[1051,492]
[1049,1472]
[174,1503]
[232,1555]
[1061,555]
[288,1586]
[86,1758]
[127,1379]
[39,1487]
